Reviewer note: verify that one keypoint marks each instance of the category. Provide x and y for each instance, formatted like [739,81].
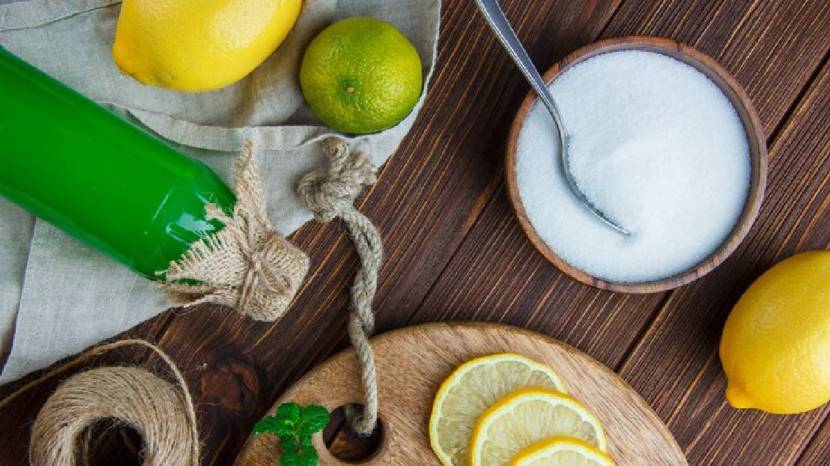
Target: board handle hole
[347,445]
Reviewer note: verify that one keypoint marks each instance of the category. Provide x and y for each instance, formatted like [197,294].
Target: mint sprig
[294,425]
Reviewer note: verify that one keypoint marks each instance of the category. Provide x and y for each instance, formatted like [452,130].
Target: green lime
[361,75]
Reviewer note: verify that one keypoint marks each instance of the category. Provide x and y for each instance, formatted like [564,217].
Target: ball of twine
[162,413]
[129,395]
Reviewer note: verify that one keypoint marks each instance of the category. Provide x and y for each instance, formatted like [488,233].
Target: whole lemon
[775,348]
[361,75]
[199,45]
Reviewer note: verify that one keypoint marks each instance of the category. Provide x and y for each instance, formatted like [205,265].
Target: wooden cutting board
[411,364]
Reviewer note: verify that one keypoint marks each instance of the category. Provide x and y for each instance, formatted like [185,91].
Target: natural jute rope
[330,193]
[247,265]
[160,412]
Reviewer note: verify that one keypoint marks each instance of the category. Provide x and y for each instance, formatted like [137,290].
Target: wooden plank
[497,256]
[676,366]
[771,47]
[496,276]
[817,451]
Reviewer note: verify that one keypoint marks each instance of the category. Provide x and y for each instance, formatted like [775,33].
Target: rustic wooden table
[454,250]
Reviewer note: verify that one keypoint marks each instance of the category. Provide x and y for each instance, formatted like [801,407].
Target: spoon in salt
[498,22]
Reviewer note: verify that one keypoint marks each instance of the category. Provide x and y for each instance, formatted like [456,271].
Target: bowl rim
[752,128]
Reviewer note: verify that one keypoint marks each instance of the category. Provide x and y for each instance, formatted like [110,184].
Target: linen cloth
[58,296]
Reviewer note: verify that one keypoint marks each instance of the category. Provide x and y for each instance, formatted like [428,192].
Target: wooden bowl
[751,124]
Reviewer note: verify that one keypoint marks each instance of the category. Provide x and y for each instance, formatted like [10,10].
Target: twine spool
[129,395]
[162,413]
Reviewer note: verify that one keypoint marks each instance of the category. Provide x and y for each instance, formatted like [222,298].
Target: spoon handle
[507,36]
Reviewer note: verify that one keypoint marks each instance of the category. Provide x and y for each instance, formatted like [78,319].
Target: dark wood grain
[676,366]
[771,47]
[496,276]
[454,251]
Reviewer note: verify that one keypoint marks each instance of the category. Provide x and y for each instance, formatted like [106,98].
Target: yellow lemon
[199,45]
[470,390]
[562,451]
[775,348]
[361,75]
[526,416]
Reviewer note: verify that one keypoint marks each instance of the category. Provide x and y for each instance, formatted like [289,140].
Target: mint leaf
[290,458]
[304,457]
[268,424]
[308,457]
[285,427]
[289,443]
[314,418]
[294,426]
[290,412]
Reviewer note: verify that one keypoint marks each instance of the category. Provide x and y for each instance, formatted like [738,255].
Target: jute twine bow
[330,193]
[160,412]
[247,265]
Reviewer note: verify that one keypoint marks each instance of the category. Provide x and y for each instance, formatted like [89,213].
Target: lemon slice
[527,416]
[470,390]
[562,451]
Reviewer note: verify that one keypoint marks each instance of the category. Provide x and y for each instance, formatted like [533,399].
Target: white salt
[655,144]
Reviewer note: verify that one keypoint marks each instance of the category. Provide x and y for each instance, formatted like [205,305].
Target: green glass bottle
[101,179]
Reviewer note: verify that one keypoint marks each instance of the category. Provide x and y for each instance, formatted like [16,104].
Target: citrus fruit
[470,390]
[361,75]
[526,416]
[775,347]
[197,45]
[562,451]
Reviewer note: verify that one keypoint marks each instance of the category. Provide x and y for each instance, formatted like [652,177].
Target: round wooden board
[411,364]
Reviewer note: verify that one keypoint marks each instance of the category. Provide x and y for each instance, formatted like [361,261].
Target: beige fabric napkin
[58,296]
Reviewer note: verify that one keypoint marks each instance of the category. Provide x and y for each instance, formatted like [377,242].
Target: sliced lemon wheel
[525,417]
[470,390]
[562,451]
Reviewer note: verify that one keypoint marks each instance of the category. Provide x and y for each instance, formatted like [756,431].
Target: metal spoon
[498,22]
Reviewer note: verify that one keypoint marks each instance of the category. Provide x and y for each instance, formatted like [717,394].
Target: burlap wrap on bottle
[247,265]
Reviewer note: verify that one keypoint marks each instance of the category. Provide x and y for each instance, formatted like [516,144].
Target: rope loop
[330,193]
